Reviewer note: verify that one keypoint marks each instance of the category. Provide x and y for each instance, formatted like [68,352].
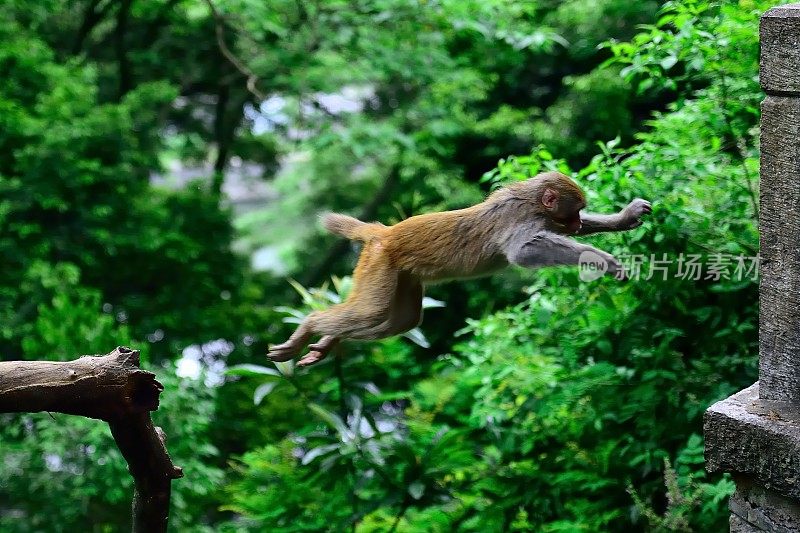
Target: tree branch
[93,14]
[112,388]
[223,95]
[251,77]
[121,50]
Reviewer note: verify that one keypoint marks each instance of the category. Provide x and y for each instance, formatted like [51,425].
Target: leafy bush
[561,405]
[566,411]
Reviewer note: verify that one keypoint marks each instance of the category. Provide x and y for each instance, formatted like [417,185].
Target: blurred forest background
[162,165]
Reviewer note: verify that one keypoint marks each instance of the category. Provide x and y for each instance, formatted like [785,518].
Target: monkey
[526,223]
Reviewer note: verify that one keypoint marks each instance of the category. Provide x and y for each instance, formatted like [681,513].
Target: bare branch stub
[250,76]
[112,388]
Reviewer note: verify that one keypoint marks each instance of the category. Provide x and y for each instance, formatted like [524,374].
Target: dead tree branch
[112,388]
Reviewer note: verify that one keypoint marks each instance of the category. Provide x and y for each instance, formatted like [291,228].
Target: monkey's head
[555,196]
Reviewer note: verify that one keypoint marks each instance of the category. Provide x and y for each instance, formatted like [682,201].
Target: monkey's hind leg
[404,313]
[367,306]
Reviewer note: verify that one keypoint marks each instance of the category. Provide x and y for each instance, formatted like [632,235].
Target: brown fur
[456,244]
[397,261]
[350,227]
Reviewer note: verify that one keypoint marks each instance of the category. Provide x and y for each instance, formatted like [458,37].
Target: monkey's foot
[283,352]
[319,351]
[314,356]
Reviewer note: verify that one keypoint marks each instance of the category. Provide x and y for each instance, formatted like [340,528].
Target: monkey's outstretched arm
[550,249]
[627,219]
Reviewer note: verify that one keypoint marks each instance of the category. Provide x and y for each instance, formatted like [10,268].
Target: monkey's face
[563,208]
[567,214]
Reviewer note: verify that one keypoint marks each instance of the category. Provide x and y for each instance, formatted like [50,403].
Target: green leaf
[262,391]
[313,453]
[668,62]
[333,420]
[251,370]
[286,368]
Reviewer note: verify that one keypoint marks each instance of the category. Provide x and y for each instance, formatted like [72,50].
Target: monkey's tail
[350,227]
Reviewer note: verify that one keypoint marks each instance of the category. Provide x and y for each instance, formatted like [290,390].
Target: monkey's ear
[549,198]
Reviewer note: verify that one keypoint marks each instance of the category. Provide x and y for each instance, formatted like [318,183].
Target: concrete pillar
[779,225]
[755,434]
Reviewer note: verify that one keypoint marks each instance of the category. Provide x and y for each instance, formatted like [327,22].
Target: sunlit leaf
[251,370]
[262,391]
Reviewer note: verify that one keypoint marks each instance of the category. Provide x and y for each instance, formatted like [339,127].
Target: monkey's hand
[615,268]
[631,216]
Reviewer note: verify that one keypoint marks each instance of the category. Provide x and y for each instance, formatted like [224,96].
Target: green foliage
[75,190]
[691,506]
[532,402]
[94,257]
[572,403]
